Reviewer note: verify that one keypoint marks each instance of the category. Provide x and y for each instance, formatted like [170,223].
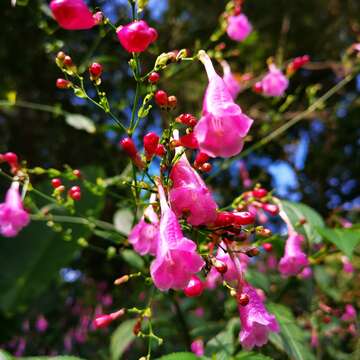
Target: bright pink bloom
[189,194]
[238,27]
[306,273]
[256,321]
[274,82]
[13,217]
[222,128]
[349,314]
[314,339]
[229,79]
[72,14]
[176,259]
[136,36]
[197,347]
[294,258]
[41,324]
[145,235]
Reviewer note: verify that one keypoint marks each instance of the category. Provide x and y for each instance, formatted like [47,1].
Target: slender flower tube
[223,126]
[144,236]
[274,82]
[294,259]
[189,194]
[136,36]
[229,79]
[256,321]
[239,27]
[176,258]
[13,217]
[72,14]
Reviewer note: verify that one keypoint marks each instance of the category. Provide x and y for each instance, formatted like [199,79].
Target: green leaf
[325,282]
[122,337]
[297,212]
[123,221]
[179,356]
[49,358]
[345,240]
[291,339]
[257,279]
[245,355]
[133,259]
[80,122]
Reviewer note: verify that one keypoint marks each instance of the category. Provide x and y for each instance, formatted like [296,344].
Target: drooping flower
[176,258]
[229,79]
[136,36]
[349,314]
[189,194]
[13,217]
[197,347]
[256,321]
[223,126]
[145,235]
[274,82]
[294,259]
[238,27]
[72,14]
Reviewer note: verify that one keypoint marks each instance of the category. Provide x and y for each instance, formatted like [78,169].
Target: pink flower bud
[239,27]
[197,347]
[72,14]
[194,288]
[274,83]
[136,36]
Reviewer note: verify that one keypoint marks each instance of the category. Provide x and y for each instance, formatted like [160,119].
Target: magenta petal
[230,81]
[238,27]
[72,14]
[274,83]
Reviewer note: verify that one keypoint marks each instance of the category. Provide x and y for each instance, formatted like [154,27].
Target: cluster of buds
[74,192]
[296,64]
[201,162]
[170,57]
[164,101]
[12,159]
[65,63]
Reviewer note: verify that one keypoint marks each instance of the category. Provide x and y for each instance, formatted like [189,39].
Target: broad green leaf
[291,338]
[30,261]
[80,122]
[325,282]
[179,356]
[49,358]
[5,356]
[245,355]
[122,337]
[345,240]
[299,211]
[123,220]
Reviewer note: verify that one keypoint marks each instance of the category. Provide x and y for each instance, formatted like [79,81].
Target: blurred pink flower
[347,265]
[274,82]
[197,347]
[41,324]
[306,273]
[349,314]
[238,27]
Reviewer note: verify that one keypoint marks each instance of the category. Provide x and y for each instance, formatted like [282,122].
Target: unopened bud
[261,231]
[121,280]
[219,265]
[243,299]
[172,102]
[252,252]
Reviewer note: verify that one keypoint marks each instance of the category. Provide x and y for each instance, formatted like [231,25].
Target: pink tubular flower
[72,14]
[349,314]
[294,258]
[189,194]
[229,80]
[274,82]
[238,27]
[176,258]
[222,128]
[41,324]
[256,322]
[144,236]
[136,36]
[306,273]
[197,347]
[13,217]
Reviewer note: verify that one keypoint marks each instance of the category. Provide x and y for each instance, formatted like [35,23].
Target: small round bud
[154,77]
[11,158]
[206,167]
[63,84]
[194,288]
[95,70]
[224,218]
[243,299]
[187,119]
[68,61]
[252,252]
[55,183]
[259,193]
[272,209]
[220,266]
[267,247]
[161,98]
[201,158]
[77,173]
[60,55]
[60,189]
[257,88]
[151,142]
[98,17]
[172,102]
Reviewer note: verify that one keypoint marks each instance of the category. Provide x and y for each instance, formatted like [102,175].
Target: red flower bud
[187,119]
[129,147]
[257,88]
[95,70]
[154,77]
[224,218]
[243,218]
[160,150]
[259,193]
[272,209]
[62,83]
[189,141]
[11,158]
[200,159]
[161,98]
[206,167]
[151,142]
[267,247]
[243,299]
[77,173]
[194,288]
[55,183]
